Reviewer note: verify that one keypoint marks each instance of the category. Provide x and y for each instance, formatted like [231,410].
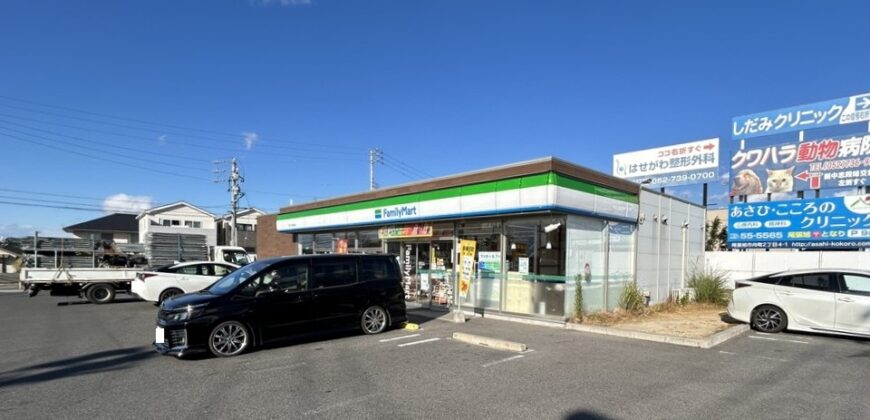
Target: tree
[716,235]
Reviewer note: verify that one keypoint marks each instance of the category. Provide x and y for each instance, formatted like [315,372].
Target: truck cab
[231,254]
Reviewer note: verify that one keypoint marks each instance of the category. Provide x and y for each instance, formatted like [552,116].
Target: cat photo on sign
[746,182]
[780,180]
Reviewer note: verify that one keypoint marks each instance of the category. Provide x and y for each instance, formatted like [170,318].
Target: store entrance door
[427,271]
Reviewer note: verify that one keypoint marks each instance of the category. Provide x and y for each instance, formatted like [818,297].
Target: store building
[538,228]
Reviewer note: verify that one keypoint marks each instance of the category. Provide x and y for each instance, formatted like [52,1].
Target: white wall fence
[744,265]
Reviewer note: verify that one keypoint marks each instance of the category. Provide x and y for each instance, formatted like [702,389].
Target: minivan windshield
[230,281]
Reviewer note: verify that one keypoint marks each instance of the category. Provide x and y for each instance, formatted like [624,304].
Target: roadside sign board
[802,165]
[839,111]
[680,164]
[467,248]
[835,222]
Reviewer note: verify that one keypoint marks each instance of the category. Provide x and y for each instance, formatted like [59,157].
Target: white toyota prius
[833,301]
[186,277]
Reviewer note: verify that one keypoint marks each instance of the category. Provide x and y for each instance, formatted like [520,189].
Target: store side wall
[270,242]
[670,243]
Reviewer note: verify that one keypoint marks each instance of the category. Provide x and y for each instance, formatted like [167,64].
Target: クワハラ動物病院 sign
[833,162]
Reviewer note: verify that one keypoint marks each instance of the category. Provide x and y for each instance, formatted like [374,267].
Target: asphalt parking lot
[80,360]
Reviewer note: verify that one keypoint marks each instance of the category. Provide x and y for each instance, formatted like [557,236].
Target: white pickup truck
[98,285]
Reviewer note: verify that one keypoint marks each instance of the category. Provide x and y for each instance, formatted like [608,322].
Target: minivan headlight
[186,313]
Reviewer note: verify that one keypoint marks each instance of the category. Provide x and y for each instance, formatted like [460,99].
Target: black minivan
[279,297]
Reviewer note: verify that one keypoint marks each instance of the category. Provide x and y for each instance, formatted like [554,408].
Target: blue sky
[103,98]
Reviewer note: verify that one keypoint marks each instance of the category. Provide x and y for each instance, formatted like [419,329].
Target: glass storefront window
[368,242]
[535,257]
[306,241]
[485,289]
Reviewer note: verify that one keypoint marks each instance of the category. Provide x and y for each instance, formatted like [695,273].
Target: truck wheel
[168,293]
[101,293]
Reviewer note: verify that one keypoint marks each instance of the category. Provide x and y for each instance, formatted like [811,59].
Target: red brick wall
[270,242]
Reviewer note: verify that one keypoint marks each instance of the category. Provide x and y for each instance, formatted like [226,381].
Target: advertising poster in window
[467,249]
[489,273]
[836,222]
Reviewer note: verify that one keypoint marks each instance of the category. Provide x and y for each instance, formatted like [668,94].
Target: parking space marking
[753,356]
[414,343]
[507,359]
[399,338]
[779,339]
[338,405]
[294,365]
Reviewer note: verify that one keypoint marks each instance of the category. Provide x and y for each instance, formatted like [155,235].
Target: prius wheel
[374,320]
[769,319]
[229,339]
[168,293]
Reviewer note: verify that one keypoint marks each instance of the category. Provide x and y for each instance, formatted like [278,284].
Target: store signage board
[836,222]
[797,166]
[839,111]
[680,164]
[406,231]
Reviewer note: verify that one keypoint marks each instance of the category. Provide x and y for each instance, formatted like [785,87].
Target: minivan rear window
[333,272]
[376,269]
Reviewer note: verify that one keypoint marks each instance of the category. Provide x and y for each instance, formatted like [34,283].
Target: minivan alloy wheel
[374,320]
[228,339]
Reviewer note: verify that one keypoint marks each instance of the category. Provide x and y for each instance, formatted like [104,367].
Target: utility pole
[236,194]
[375,156]
[235,180]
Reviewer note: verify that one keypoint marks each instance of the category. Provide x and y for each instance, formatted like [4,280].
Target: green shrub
[709,285]
[578,298]
[632,299]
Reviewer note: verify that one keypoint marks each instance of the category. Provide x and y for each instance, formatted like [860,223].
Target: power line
[157,162]
[236,137]
[407,166]
[200,145]
[103,159]
[78,197]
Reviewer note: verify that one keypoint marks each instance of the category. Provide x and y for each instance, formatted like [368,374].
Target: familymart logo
[394,212]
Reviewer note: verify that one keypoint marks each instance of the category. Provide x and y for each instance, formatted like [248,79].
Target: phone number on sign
[678,178]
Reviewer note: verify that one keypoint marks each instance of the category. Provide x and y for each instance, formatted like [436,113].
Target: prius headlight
[185,313]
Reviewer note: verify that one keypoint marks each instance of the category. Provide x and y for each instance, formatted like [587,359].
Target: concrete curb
[495,343]
[702,343]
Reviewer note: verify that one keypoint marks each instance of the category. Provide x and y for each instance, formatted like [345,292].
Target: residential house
[120,228]
[246,222]
[179,217]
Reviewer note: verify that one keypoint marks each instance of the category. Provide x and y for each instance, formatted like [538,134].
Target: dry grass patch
[691,321]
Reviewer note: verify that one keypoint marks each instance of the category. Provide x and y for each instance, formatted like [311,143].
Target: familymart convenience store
[535,227]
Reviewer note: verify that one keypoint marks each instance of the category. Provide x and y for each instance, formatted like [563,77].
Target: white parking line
[778,339]
[753,356]
[763,338]
[507,359]
[277,368]
[399,338]
[338,405]
[413,343]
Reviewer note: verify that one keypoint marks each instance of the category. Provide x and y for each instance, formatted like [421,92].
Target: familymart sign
[540,192]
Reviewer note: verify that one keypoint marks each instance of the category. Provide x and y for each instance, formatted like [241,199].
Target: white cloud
[161,139]
[725,178]
[123,203]
[250,139]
